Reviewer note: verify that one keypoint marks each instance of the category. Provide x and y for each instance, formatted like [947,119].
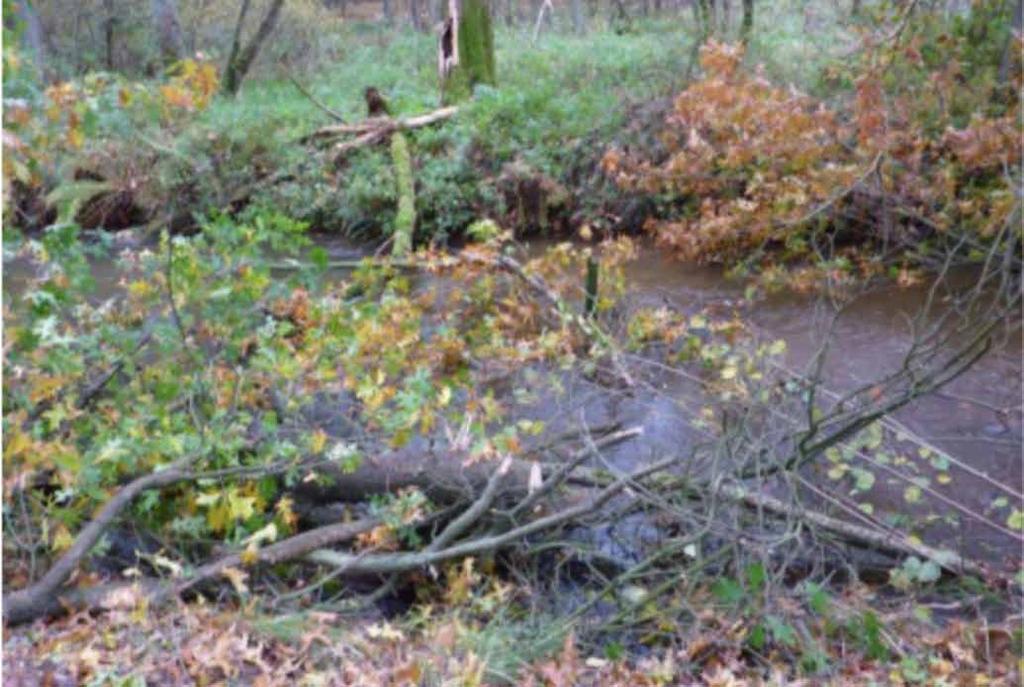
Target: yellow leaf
[251,554]
[241,507]
[237,579]
[317,441]
[75,137]
[16,443]
[62,539]
[284,509]
[264,535]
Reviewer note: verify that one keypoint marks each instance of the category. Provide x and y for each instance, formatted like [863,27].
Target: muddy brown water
[976,419]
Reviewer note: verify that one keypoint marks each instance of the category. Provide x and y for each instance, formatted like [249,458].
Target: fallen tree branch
[23,604]
[466,520]
[380,126]
[442,476]
[320,105]
[46,599]
[406,561]
[901,546]
[156,592]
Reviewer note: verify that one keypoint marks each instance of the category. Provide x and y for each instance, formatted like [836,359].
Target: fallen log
[445,477]
[379,127]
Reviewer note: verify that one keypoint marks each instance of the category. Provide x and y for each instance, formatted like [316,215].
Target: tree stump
[466,50]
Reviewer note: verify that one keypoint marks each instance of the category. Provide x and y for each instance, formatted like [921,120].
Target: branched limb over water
[429,353]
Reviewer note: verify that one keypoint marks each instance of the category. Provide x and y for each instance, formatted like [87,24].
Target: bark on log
[381,125]
[443,476]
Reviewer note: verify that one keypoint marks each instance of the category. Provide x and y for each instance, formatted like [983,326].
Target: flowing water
[976,419]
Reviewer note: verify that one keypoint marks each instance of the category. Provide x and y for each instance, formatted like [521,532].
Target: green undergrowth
[558,105]
[555,101]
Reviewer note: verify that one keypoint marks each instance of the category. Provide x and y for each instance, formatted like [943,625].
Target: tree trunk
[109,24]
[241,59]
[578,21]
[167,27]
[466,50]
[33,36]
[405,218]
[386,9]
[1016,28]
[748,20]
[414,15]
[704,17]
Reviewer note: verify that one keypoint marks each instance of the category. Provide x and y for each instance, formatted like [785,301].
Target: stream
[976,419]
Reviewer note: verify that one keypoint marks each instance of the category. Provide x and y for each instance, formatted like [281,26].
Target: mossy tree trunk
[240,58]
[748,20]
[705,11]
[405,218]
[466,50]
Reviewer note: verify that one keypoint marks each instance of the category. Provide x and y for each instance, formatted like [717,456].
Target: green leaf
[873,438]
[818,599]
[871,636]
[837,472]
[1016,520]
[755,577]
[940,461]
[318,256]
[614,651]
[781,631]
[727,591]
[929,572]
[863,479]
[757,637]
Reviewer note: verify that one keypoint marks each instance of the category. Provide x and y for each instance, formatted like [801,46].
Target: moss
[405,218]
[476,53]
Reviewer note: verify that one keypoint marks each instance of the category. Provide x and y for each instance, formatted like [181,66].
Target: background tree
[110,22]
[168,30]
[466,51]
[31,33]
[414,15]
[578,20]
[241,59]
